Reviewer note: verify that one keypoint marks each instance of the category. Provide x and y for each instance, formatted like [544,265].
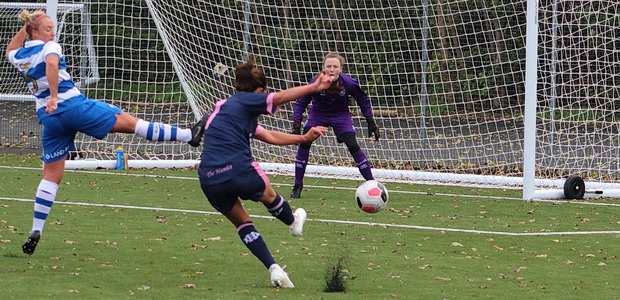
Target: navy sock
[254,241]
[280,209]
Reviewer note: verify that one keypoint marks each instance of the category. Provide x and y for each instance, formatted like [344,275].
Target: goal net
[577,109]
[446,79]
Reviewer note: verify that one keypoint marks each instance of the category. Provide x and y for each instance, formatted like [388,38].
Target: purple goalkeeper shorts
[341,123]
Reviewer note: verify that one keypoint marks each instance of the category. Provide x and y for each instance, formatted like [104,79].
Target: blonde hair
[31,19]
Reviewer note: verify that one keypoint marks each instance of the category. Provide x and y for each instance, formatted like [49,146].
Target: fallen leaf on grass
[443,278]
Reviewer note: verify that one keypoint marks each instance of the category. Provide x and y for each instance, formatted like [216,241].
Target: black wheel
[574,187]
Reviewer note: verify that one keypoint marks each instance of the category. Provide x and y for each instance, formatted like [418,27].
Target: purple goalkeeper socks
[301,161]
[363,164]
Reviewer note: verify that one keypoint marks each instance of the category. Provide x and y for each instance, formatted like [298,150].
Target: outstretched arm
[17,41]
[281,138]
[321,83]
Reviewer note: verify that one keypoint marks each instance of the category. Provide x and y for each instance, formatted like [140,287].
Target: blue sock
[254,241]
[280,209]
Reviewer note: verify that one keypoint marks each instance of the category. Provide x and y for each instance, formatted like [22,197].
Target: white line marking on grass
[556,201]
[108,173]
[336,221]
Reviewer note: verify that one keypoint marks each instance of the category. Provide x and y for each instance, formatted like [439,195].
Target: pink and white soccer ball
[371,196]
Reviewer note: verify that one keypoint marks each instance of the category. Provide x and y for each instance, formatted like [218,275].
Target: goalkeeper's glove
[373,129]
[296,129]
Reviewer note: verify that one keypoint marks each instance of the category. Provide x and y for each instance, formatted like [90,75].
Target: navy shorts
[249,185]
[92,117]
[341,123]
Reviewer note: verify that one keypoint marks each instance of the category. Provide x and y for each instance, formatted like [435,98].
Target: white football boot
[279,278]
[297,227]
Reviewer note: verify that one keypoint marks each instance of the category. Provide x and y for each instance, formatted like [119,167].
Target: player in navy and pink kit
[63,111]
[227,170]
[331,108]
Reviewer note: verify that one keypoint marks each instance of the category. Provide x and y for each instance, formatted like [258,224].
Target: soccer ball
[371,196]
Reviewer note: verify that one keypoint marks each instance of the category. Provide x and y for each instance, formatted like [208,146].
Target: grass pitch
[151,234]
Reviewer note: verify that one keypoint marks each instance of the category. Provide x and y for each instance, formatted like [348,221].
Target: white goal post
[512,93]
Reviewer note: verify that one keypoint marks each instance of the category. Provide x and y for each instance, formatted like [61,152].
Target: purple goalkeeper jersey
[327,104]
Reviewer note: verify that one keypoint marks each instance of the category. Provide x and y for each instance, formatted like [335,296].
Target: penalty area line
[386,225]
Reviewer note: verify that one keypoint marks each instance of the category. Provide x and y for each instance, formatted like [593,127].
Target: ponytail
[31,20]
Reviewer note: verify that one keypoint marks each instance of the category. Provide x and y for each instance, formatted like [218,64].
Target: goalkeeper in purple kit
[331,108]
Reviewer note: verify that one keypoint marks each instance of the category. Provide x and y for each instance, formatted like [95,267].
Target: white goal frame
[534,183]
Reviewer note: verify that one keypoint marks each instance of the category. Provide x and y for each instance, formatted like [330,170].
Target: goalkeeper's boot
[198,130]
[31,243]
[279,278]
[296,192]
[297,227]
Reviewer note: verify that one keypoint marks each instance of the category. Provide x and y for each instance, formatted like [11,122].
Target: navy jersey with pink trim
[229,131]
[328,104]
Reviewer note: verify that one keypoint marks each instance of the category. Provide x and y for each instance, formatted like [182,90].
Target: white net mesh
[446,78]
[578,90]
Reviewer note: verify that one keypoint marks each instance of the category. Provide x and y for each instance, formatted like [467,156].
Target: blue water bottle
[121,159]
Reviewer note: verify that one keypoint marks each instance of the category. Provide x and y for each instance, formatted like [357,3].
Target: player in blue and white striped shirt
[63,111]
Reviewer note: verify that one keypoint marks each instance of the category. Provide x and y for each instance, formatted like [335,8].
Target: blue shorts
[92,117]
[249,185]
[341,123]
